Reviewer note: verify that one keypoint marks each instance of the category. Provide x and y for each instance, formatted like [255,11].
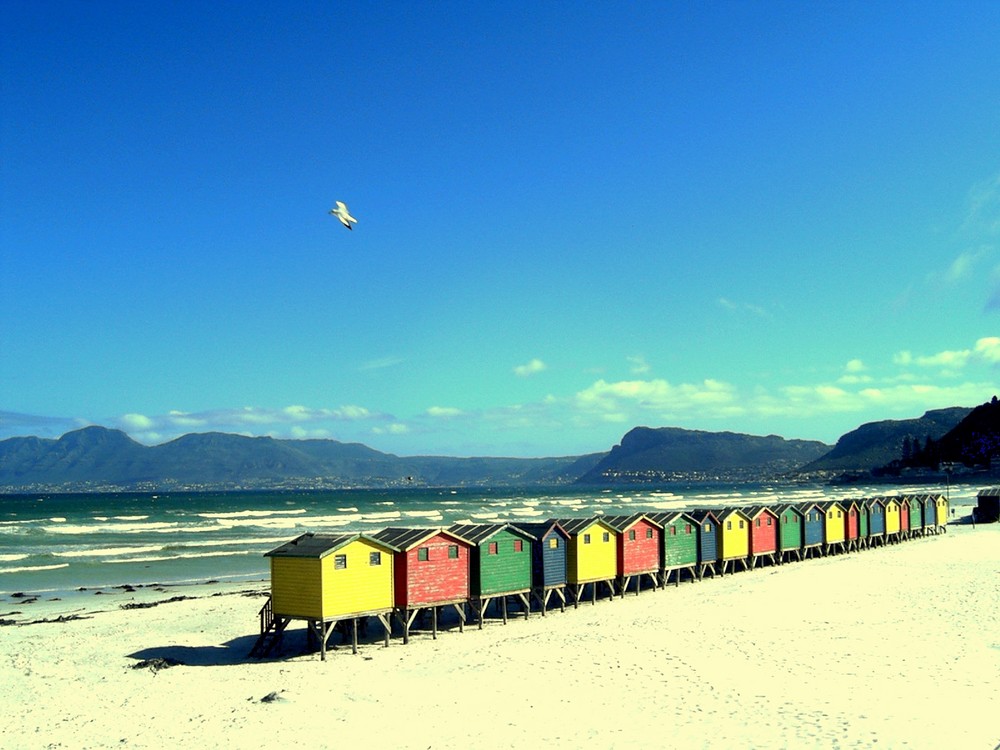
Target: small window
[795,519]
[493,548]
[757,522]
[708,527]
[586,538]
[784,519]
[423,554]
[631,535]
[605,537]
[518,545]
[829,514]
[838,514]
[741,524]
[673,530]
[687,528]
[768,520]
[649,533]
[554,543]
[374,558]
[452,551]
[729,525]
[340,562]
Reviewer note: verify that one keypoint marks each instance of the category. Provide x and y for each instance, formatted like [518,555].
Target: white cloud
[985,351]
[657,396]
[533,367]
[855,365]
[756,310]
[381,363]
[444,412]
[396,428]
[638,365]
[138,422]
[964,265]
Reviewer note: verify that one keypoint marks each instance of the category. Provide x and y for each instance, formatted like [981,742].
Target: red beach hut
[763,534]
[852,518]
[432,571]
[638,549]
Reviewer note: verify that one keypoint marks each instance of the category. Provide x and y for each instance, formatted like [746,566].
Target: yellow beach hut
[834,526]
[892,528]
[734,538]
[941,512]
[325,579]
[592,556]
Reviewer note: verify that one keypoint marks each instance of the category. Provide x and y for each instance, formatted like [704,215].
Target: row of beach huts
[341,579]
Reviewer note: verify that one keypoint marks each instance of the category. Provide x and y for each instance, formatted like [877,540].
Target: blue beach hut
[813,528]
[548,562]
[876,521]
[708,542]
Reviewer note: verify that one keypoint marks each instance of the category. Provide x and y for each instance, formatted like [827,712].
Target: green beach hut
[500,565]
[680,546]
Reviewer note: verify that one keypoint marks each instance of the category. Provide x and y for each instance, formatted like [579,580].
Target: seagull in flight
[341,212]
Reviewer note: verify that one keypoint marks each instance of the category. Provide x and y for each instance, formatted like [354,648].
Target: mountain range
[101,459]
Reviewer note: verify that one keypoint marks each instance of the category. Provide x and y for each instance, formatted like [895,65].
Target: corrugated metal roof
[312,545]
[320,545]
[726,512]
[574,526]
[404,538]
[621,523]
[701,515]
[541,529]
[476,533]
[665,518]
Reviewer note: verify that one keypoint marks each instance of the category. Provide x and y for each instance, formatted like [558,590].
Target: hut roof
[320,545]
[989,492]
[541,529]
[672,516]
[477,533]
[828,504]
[755,510]
[726,512]
[408,538]
[785,507]
[702,514]
[622,523]
[576,525]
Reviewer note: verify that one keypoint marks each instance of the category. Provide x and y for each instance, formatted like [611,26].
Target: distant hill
[877,443]
[96,457]
[671,453]
[972,444]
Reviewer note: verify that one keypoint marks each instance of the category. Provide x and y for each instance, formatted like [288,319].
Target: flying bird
[341,212]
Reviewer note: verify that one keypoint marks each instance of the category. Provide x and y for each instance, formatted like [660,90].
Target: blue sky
[573,218]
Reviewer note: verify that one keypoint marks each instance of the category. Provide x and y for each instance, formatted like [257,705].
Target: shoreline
[890,647]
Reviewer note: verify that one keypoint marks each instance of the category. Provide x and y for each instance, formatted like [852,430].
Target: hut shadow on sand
[295,642]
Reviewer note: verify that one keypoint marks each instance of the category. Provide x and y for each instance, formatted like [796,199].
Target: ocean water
[53,545]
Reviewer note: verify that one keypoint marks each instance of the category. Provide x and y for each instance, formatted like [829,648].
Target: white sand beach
[893,647]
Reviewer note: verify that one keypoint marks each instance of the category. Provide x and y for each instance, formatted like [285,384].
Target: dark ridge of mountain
[74,457]
[876,444]
[96,457]
[528,471]
[973,444]
[648,454]
[975,441]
